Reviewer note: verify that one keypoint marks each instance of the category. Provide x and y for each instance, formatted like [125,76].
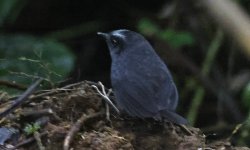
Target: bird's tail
[173,117]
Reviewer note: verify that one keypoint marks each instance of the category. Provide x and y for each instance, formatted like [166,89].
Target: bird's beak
[104,35]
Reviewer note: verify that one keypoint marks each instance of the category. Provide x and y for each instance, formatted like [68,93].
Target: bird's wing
[145,93]
[136,97]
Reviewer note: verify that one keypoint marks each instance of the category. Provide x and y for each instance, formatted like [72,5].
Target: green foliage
[31,128]
[174,38]
[10,9]
[243,131]
[246,96]
[147,27]
[177,39]
[25,57]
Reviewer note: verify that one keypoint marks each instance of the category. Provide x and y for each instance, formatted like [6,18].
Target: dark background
[185,33]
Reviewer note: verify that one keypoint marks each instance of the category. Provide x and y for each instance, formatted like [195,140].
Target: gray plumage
[142,83]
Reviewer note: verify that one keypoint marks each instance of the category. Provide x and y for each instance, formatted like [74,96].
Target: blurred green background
[57,40]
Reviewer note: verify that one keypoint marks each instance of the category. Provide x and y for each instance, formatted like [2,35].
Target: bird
[142,84]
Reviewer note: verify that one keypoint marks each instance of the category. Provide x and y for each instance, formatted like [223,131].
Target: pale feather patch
[118,33]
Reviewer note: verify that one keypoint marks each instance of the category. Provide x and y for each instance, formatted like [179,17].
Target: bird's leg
[105,96]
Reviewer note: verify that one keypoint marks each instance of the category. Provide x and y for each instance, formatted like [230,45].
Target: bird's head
[123,41]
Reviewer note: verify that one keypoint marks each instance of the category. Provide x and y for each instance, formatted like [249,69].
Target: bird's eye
[114,42]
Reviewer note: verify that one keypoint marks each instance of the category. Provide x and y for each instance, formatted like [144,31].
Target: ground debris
[64,107]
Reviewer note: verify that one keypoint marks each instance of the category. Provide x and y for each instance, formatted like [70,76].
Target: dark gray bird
[142,83]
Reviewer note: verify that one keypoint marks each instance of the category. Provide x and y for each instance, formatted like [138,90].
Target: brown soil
[76,119]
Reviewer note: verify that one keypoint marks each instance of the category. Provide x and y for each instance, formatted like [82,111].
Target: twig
[206,148]
[42,112]
[185,129]
[3,95]
[53,91]
[236,130]
[73,85]
[28,76]
[27,141]
[37,137]
[21,99]
[65,88]
[76,127]
[107,106]
[93,83]
[12,85]
[103,94]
